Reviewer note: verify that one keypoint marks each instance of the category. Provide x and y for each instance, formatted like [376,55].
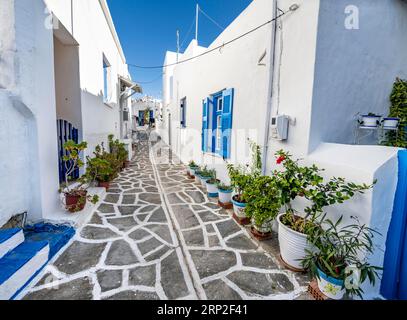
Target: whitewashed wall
[29,167]
[235,66]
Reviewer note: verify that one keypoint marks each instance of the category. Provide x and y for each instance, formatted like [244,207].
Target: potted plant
[100,169]
[397,117]
[340,263]
[76,195]
[225,195]
[192,167]
[212,185]
[241,177]
[205,175]
[118,149]
[263,199]
[301,181]
[198,172]
[370,120]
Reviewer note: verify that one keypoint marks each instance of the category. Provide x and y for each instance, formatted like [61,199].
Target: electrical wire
[188,33]
[147,82]
[214,22]
[213,49]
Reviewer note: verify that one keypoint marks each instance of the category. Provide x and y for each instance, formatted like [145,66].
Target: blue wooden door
[66,131]
[394,282]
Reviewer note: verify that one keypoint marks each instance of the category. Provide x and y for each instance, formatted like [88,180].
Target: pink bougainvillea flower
[280,159]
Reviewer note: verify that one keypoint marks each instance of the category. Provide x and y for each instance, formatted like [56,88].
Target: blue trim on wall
[394,282]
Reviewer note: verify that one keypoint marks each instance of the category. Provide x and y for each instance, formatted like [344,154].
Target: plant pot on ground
[205,175]
[212,187]
[192,167]
[76,195]
[300,181]
[99,169]
[340,261]
[370,120]
[263,199]
[225,195]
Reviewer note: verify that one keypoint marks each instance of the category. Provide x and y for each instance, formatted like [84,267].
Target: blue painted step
[9,240]
[57,236]
[19,266]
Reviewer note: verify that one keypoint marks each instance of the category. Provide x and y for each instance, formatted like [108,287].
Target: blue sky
[147,29]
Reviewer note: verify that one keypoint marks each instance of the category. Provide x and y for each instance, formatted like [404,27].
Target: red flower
[280,159]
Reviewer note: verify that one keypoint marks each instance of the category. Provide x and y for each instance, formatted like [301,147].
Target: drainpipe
[272,65]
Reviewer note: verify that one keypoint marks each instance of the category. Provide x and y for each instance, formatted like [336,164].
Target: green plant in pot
[198,172]
[118,150]
[340,263]
[397,117]
[76,195]
[100,169]
[225,195]
[212,185]
[192,167]
[305,181]
[205,175]
[263,198]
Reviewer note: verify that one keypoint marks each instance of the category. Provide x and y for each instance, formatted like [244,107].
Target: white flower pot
[239,209]
[225,197]
[293,245]
[391,123]
[266,227]
[197,179]
[203,182]
[212,190]
[330,287]
[370,121]
[192,172]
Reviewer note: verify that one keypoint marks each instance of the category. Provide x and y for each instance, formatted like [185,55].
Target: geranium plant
[101,168]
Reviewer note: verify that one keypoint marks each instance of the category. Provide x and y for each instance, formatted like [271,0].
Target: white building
[146,104]
[320,65]
[59,60]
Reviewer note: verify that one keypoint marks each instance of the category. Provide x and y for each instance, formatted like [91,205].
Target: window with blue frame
[183,112]
[217,123]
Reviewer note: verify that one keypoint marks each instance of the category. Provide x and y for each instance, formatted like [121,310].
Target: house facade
[145,104]
[317,68]
[63,76]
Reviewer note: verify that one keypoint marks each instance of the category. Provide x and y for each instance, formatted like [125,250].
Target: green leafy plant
[206,173]
[192,164]
[296,180]
[73,162]
[118,150]
[101,168]
[398,109]
[213,177]
[224,187]
[263,199]
[340,251]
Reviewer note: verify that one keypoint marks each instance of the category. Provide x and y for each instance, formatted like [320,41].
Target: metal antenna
[178,48]
[197,22]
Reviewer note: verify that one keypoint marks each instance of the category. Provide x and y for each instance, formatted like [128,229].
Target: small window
[218,132]
[219,106]
[183,112]
[106,80]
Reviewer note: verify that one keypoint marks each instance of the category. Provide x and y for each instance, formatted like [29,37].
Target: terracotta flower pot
[126,164]
[75,202]
[105,185]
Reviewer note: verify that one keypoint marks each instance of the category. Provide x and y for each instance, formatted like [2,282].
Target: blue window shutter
[205,125]
[227,120]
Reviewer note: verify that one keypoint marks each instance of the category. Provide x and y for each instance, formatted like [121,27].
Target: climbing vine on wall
[398,109]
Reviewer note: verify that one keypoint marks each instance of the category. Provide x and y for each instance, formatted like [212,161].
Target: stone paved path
[158,236]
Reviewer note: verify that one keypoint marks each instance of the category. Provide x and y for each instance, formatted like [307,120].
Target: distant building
[146,108]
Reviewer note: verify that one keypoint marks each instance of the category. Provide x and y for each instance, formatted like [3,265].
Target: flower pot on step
[371,121]
[239,211]
[192,172]
[391,123]
[203,182]
[76,201]
[197,179]
[330,287]
[212,189]
[225,198]
[262,232]
[293,245]
[105,185]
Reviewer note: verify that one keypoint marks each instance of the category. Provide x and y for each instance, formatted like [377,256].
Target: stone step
[19,266]
[9,240]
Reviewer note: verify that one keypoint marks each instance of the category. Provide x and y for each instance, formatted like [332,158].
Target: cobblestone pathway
[157,236]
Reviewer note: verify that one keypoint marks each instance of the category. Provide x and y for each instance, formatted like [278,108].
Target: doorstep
[78,219]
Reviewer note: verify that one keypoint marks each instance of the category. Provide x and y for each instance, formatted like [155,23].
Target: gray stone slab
[139,234]
[258,260]
[194,238]
[120,254]
[260,283]
[134,295]
[213,241]
[133,191]
[209,263]
[173,198]
[197,196]
[219,290]
[98,233]
[96,219]
[129,199]
[208,216]
[112,198]
[148,209]
[158,254]
[158,216]
[172,278]
[241,242]
[212,206]
[149,245]
[79,289]
[153,198]
[185,216]
[143,276]
[123,224]
[106,208]
[161,230]
[228,227]
[128,210]
[109,279]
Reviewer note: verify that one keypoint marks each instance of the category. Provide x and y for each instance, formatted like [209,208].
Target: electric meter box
[279,127]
